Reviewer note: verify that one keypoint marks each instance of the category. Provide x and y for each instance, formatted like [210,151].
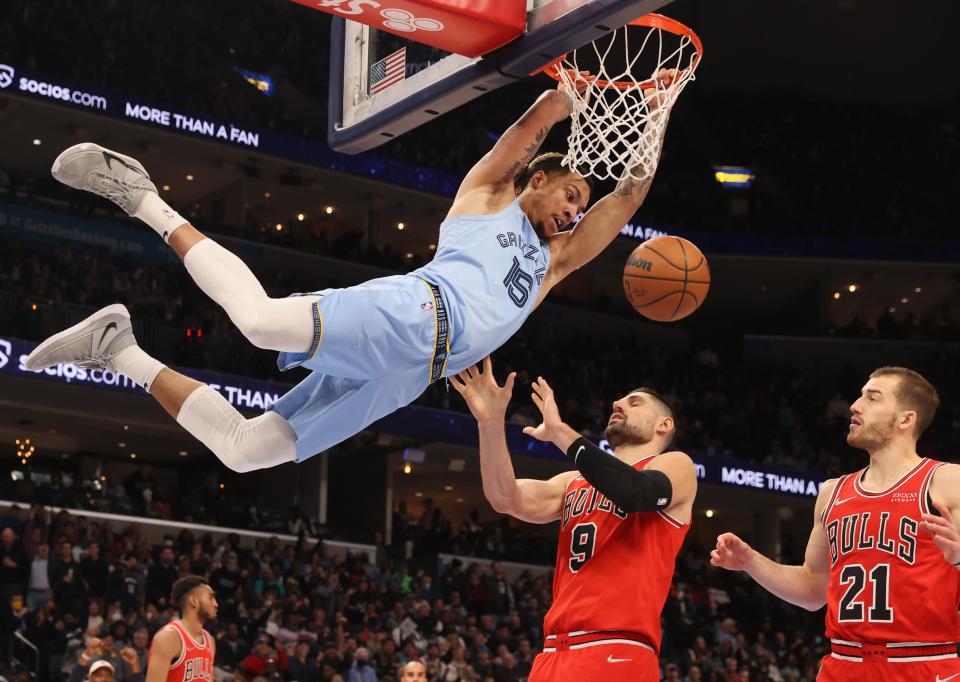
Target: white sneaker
[90,167]
[94,342]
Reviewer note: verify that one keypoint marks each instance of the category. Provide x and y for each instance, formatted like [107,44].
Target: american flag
[388,71]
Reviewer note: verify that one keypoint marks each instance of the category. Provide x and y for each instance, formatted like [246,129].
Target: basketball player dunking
[884,553]
[622,521]
[182,650]
[373,347]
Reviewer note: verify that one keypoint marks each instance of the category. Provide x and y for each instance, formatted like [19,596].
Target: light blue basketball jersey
[379,344]
[489,268]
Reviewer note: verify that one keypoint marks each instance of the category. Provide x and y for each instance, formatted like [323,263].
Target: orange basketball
[666,278]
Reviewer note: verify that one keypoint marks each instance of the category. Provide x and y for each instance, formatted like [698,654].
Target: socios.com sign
[6,76]
[5,351]
[239,392]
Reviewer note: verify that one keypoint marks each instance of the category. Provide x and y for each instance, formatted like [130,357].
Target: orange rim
[651,20]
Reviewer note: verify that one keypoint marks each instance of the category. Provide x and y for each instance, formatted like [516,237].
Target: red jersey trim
[672,521]
[184,637]
[925,489]
[183,646]
[833,499]
[906,477]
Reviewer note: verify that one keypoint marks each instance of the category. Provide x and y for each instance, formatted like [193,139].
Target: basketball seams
[665,279]
[683,292]
[665,259]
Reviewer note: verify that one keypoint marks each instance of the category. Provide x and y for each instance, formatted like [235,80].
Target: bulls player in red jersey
[884,551]
[622,521]
[182,650]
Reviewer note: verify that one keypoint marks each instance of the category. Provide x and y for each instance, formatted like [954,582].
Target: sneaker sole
[92,147]
[55,341]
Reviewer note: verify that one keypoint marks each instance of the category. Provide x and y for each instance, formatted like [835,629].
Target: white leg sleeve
[281,324]
[241,444]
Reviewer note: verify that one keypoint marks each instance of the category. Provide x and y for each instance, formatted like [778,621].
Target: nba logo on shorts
[6,75]
[426,306]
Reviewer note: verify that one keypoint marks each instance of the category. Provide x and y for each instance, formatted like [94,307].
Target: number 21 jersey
[889,582]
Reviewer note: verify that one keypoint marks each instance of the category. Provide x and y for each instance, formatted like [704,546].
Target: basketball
[666,278]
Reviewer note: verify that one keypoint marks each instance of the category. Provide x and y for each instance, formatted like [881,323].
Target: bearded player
[374,347]
[182,650]
[884,552]
[622,519]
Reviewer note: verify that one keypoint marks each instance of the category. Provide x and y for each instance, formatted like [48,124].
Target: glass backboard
[382,85]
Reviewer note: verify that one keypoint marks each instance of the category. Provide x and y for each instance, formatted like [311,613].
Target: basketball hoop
[615,133]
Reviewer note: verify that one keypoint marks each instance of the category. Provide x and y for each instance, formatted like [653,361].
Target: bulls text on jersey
[585,501]
[197,669]
[869,530]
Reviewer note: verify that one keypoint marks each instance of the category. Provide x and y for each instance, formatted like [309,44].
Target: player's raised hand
[579,95]
[731,553]
[545,401]
[944,532]
[486,399]
[660,93]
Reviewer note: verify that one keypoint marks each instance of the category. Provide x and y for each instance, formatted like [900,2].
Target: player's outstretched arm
[668,484]
[526,499]
[517,146]
[164,649]
[603,222]
[804,585]
[944,526]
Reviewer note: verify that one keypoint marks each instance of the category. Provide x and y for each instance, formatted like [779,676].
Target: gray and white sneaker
[90,167]
[94,342]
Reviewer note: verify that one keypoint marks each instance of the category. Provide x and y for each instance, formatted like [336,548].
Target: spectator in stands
[95,669]
[94,571]
[230,650]
[13,566]
[38,585]
[361,670]
[265,660]
[160,578]
[68,590]
[303,666]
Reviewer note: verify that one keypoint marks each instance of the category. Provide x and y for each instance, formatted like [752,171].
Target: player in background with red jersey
[622,521]
[182,650]
[884,551]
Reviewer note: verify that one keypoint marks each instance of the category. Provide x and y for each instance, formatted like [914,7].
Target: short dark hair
[665,406]
[550,163]
[183,587]
[913,393]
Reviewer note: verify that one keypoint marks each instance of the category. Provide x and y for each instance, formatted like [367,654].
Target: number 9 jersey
[614,569]
[891,597]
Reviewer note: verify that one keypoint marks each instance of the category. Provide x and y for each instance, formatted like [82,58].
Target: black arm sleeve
[629,489]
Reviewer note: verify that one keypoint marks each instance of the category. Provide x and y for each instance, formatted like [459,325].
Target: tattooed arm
[494,173]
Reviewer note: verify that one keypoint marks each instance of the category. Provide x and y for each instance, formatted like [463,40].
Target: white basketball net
[616,132]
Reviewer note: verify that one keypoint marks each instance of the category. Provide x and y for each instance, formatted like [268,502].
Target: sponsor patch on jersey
[427,306]
[903,497]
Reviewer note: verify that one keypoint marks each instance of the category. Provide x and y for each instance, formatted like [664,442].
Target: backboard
[382,85]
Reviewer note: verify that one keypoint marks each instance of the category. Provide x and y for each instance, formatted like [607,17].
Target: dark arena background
[814,161]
